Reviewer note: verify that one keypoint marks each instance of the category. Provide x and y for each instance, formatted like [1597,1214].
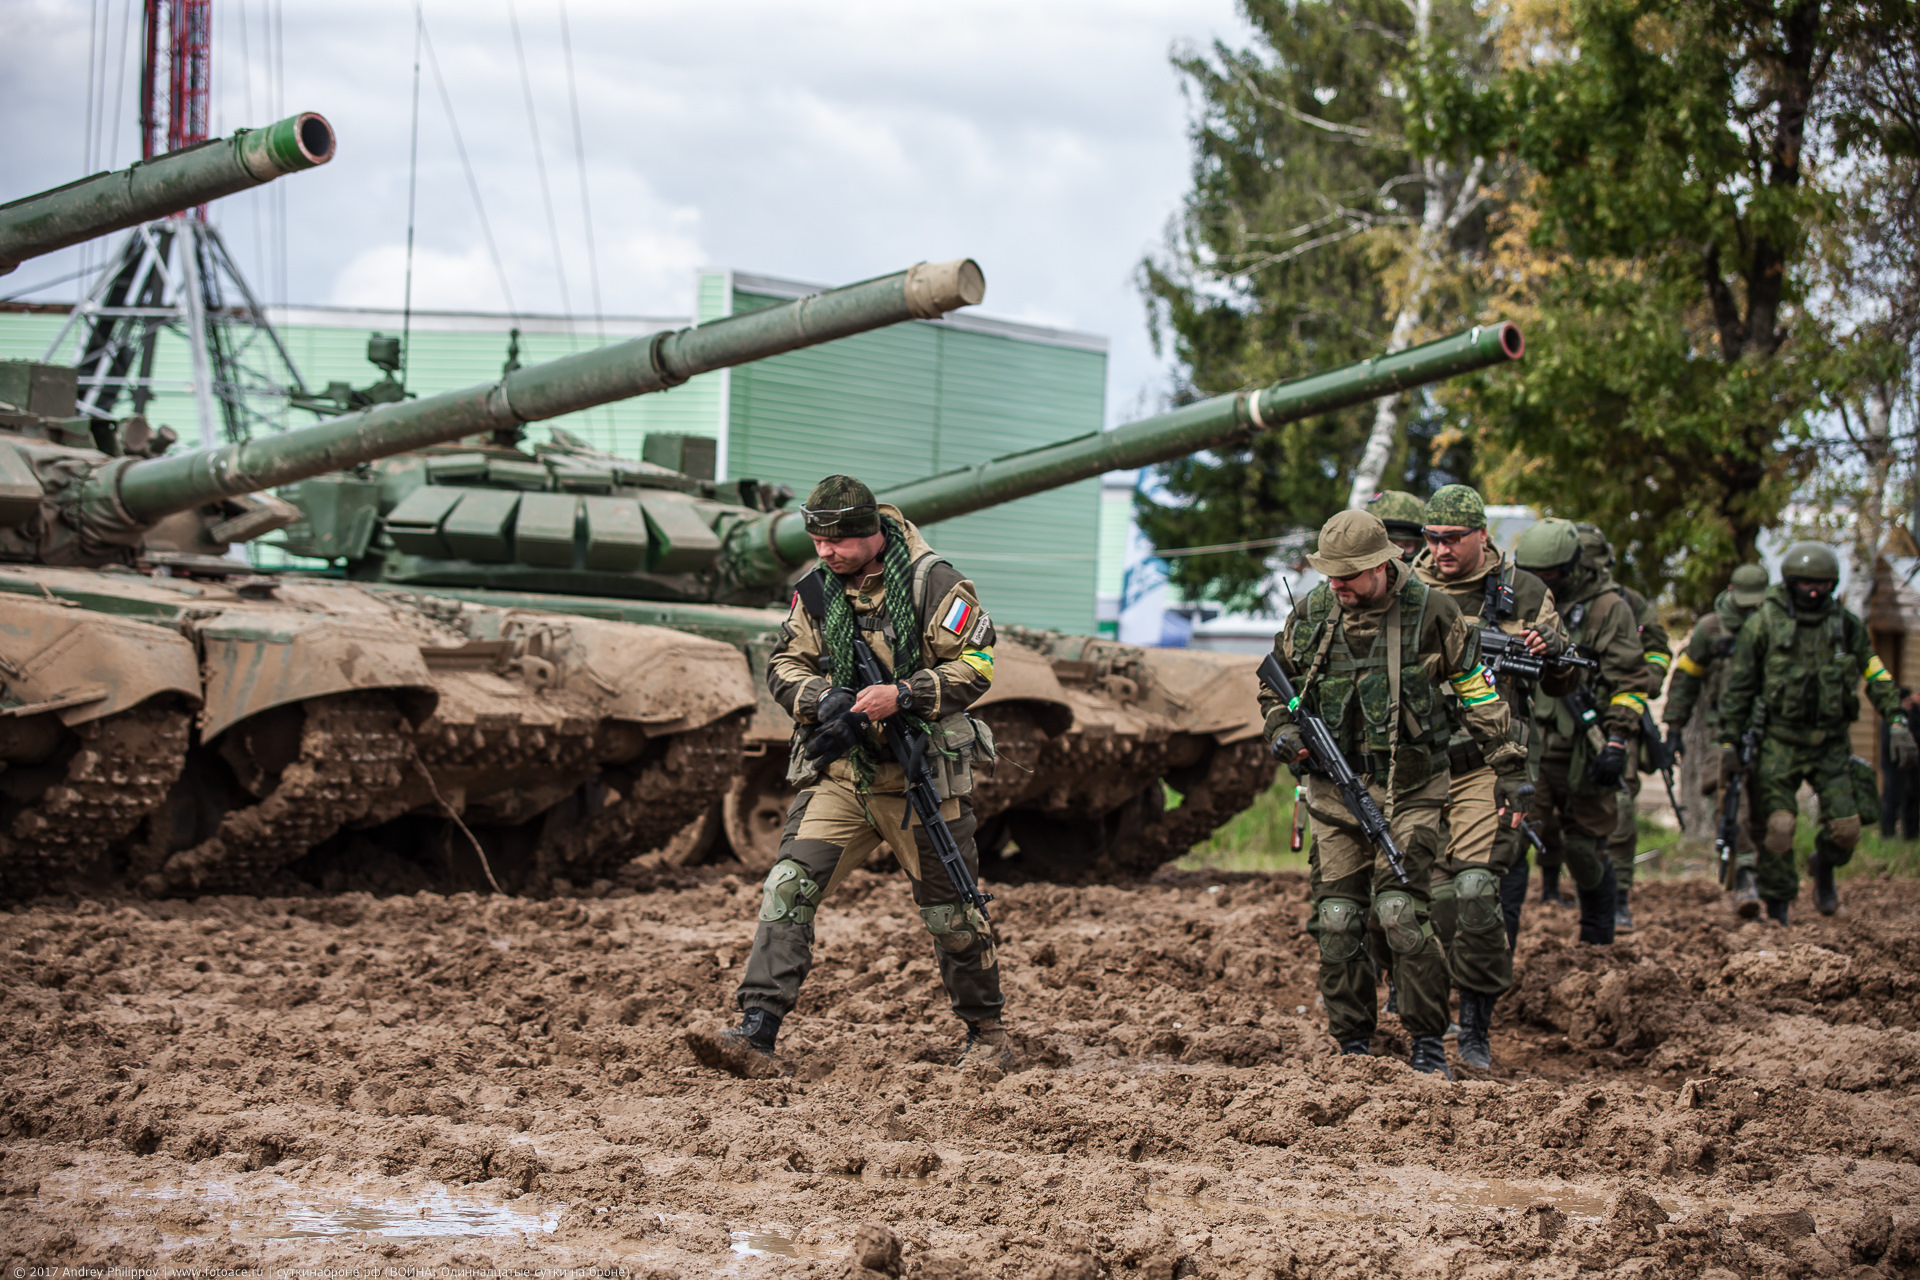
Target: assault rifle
[1324,758]
[1727,838]
[1507,657]
[909,748]
[1662,757]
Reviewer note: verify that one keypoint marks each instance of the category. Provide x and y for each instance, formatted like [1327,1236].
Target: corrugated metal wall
[915,399]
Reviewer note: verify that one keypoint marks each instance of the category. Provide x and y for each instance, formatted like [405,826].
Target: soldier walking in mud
[877,577]
[1585,729]
[1383,659]
[1657,648]
[1491,592]
[1699,678]
[1796,670]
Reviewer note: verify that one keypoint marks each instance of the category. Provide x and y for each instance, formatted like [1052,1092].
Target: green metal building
[887,406]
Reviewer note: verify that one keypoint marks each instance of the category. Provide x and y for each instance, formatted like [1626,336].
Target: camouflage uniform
[1802,669]
[838,819]
[1699,677]
[1404,515]
[1478,950]
[1344,663]
[1577,816]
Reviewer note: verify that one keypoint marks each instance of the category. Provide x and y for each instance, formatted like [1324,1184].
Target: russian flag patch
[959,614]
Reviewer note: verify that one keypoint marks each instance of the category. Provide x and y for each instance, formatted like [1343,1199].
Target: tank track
[670,791]
[1229,782]
[352,750]
[120,774]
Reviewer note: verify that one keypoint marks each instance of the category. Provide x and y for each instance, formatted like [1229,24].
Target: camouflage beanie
[1401,512]
[1455,506]
[841,507]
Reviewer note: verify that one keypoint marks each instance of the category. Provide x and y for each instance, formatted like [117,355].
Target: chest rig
[1810,681]
[1380,705]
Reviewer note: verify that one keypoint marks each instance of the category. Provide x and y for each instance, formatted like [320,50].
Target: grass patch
[1678,857]
[1255,839]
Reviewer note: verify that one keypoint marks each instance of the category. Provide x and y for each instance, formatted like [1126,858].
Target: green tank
[1091,729]
[176,721]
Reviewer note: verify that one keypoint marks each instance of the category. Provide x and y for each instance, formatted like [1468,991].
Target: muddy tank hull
[185,737]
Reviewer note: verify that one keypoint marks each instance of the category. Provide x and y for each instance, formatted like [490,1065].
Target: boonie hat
[1352,542]
[841,507]
[1749,586]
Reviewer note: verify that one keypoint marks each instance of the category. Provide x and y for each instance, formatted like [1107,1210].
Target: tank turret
[108,202]
[1096,726]
[81,506]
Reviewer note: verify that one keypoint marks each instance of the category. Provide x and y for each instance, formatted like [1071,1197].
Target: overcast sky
[817,141]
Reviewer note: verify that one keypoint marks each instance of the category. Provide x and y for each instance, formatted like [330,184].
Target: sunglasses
[828,517]
[1446,537]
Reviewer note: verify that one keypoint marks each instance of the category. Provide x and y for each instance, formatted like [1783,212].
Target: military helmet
[1352,543]
[1400,511]
[1749,586]
[1456,506]
[1811,560]
[841,507]
[1552,545]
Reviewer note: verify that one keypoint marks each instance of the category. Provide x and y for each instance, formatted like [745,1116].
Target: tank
[1094,734]
[179,722]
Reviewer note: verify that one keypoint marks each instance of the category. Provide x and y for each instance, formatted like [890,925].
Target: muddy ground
[361,1085]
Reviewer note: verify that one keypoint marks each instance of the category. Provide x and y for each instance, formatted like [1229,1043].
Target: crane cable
[580,163]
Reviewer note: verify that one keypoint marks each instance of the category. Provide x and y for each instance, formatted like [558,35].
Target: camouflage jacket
[1804,673]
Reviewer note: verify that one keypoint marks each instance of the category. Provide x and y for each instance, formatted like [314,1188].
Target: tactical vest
[1552,713]
[1810,681]
[957,736]
[1354,695]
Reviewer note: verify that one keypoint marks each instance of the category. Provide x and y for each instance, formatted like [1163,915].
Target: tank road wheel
[755,810]
[1020,739]
[638,807]
[692,843]
[306,770]
[63,815]
[1210,793]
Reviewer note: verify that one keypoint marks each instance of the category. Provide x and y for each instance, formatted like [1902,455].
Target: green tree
[1316,234]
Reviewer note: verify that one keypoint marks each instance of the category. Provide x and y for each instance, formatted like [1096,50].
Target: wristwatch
[905,691]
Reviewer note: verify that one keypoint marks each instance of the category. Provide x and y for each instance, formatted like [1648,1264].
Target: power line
[580,163]
[413,177]
[539,160]
[119,89]
[460,146]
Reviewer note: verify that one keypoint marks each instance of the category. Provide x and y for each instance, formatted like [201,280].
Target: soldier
[1379,651]
[1797,667]
[1403,514]
[1699,677]
[924,621]
[1657,648]
[1461,561]
[1585,730]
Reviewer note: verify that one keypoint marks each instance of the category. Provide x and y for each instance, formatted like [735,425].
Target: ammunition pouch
[1399,917]
[1341,926]
[1465,757]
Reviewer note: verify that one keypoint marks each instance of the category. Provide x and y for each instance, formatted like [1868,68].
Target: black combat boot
[1826,898]
[1476,1024]
[1430,1055]
[1356,1048]
[1779,911]
[1746,896]
[1622,912]
[1550,894]
[757,1031]
[1597,907]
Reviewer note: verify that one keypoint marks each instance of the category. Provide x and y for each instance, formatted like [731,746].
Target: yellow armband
[1473,687]
[981,660]
[1690,667]
[1637,702]
[1877,670]
[1658,658]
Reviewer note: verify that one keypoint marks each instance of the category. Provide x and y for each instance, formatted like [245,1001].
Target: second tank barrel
[152,488]
[108,202]
[1205,425]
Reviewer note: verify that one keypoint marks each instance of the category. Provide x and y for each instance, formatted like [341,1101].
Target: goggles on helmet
[824,520]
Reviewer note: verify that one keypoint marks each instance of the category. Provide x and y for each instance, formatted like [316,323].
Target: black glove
[1289,744]
[833,704]
[1674,747]
[1610,765]
[831,740]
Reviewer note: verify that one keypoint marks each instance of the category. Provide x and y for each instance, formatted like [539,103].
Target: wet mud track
[470,1083]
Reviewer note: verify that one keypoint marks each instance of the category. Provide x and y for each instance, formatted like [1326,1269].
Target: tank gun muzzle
[108,202]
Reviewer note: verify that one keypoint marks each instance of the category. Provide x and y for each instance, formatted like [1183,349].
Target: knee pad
[1341,924]
[1442,909]
[1845,833]
[1399,917]
[789,895]
[1479,895]
[954,925]
[1780,832]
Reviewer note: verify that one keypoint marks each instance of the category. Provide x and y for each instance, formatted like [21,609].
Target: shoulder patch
[981,629]
[960,615]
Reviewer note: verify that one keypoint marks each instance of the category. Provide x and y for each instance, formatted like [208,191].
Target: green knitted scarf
[896,572]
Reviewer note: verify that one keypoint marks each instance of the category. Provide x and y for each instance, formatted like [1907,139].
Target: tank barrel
[156,487]
[107,202]
[1207,424]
